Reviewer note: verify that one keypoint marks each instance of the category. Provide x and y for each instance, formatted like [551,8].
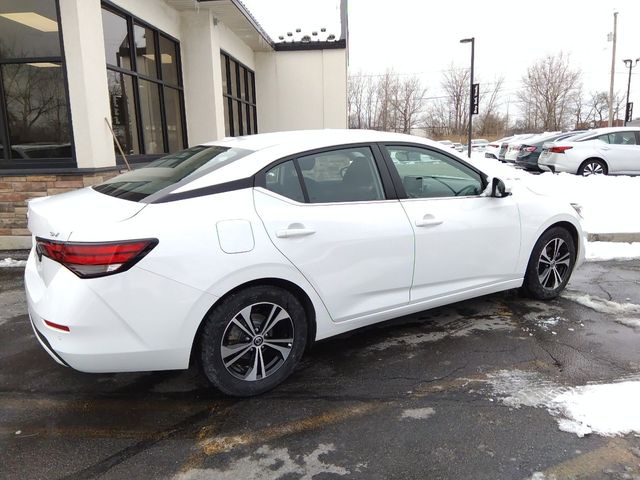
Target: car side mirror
[499,189]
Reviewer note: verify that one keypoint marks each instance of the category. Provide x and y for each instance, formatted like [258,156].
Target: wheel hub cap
[257,341]
[554,264]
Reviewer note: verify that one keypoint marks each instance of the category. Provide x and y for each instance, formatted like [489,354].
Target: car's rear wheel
[592,167]
[550,265]
[252,340]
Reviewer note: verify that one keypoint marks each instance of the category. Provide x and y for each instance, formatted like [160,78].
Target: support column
[202,75]
[87,77]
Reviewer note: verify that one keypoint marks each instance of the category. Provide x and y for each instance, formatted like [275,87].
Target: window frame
[379,163]
[397,180]
[7,163]
[249,92]
[133,20]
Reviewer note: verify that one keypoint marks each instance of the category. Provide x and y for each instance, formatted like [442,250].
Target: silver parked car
[602,151]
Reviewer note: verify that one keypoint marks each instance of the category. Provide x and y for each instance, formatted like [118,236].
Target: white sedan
[238,254]
[603,151]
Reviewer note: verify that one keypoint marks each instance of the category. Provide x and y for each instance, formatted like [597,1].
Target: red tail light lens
[559,149]
[91,260]
[493,145]
[529,149]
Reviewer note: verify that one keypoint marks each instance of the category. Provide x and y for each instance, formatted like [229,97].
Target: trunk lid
[57,216]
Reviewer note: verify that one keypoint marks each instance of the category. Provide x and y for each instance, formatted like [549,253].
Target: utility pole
[613,67]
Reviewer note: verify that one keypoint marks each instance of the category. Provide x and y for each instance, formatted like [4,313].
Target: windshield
[170,172]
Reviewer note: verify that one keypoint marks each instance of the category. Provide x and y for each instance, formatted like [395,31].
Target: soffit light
[45,65]
[33,20]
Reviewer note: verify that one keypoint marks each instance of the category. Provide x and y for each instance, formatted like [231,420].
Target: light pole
[629,64]
[471,40]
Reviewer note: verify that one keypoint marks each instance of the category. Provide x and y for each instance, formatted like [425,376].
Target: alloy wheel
[257,341]
[593,168]
[554,264]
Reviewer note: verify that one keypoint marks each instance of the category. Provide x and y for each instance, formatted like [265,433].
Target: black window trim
[397,181]
[38,163]
[132,20]
[388,187]
[229,98]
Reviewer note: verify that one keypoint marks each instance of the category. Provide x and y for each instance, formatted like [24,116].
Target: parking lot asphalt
[414,398]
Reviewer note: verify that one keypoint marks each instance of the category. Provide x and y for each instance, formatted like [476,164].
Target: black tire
[536,284]
[220,333]
[593,166]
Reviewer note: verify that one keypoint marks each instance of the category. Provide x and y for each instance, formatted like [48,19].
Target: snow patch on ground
[604,409]
[629,322]
[418,413]
[11,263]
[601,305]
[451,326]
[602,251]
[268,463]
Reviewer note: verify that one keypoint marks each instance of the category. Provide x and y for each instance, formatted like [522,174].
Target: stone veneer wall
[16,190]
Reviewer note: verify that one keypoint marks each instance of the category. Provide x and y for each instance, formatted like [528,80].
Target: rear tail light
[90,260]
[559,149]
[528,149]
[493,145]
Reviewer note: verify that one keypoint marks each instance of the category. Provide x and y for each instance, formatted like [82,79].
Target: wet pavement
[412,398]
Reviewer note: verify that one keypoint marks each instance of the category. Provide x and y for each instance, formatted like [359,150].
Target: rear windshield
[170,172]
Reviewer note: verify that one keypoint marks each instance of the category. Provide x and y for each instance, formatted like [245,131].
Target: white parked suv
[603,151]
[238,254]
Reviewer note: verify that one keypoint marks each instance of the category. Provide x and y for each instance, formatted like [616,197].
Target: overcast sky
[422,36]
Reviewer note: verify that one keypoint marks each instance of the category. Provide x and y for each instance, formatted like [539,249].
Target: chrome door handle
[428,221]
[294,232]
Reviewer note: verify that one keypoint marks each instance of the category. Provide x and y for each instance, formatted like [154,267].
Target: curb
[14,254]
[627,237]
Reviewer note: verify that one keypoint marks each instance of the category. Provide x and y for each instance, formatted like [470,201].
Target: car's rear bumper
[132,321]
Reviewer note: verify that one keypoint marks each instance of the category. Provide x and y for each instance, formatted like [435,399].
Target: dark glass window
[29,29]
[283,179]
[172,105]
[151,117]
[168,60]
[116,40]
[123,111]
[35,129]
[144,66]
[238,88]
[145,51]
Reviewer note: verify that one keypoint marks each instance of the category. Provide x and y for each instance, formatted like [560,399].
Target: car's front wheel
[550,265]
[252,340]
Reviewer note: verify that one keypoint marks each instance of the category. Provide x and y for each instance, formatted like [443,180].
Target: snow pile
[604,409]
[10,262]
[600,251]
[601,305]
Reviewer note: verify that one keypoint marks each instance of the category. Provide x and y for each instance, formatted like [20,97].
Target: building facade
[84,83]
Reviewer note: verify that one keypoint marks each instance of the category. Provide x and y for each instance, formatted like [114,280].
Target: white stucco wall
[87,77]
[301,89]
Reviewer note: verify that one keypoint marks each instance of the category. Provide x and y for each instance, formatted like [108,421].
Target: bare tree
[407,103]
[455,83]
[548,94]
[489,120]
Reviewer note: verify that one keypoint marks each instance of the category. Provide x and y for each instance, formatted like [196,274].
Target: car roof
[314,139]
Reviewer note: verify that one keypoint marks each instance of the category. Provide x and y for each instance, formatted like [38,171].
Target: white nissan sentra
[238,254]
